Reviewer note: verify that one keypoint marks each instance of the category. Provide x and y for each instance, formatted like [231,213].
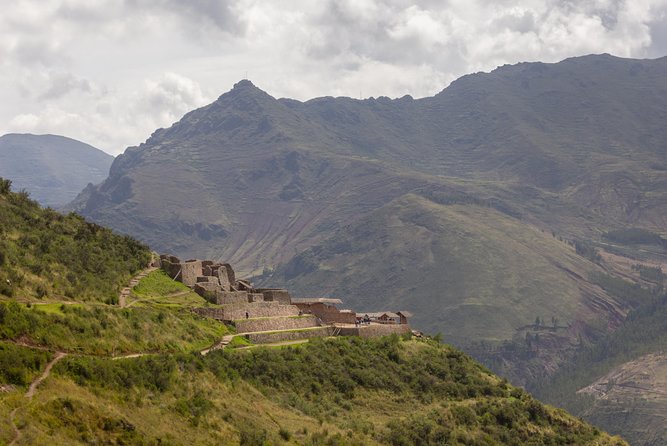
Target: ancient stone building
[270,314]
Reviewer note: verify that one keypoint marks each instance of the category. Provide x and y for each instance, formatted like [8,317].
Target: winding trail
[31,391]
[125,292]
[44,375]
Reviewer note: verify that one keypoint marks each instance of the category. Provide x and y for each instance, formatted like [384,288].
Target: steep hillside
[74,370]
[482,274]
[619,382]
[46,255]
[54,169]
[463,207]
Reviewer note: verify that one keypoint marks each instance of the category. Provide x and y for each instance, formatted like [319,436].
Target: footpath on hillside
[31,392]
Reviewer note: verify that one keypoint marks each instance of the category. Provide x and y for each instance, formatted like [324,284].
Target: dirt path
[44,375]
[31,391]
[17,432]
[125,292]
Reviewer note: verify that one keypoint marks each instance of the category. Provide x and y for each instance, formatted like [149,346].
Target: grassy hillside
[75,370]
[328,392]
[46,255]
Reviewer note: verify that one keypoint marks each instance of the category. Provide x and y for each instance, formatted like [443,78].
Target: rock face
[53,169]
[457,207]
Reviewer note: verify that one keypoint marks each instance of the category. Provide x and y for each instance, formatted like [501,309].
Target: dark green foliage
[629,293]
[492,422]
[194,407]
[68,255]
[5,186]
[587,250]
[651,274]
[634,236]
[19,364]
[153,373]
[644,331]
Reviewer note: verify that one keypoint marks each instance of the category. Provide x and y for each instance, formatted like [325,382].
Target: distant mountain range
[482,209]
[53,169]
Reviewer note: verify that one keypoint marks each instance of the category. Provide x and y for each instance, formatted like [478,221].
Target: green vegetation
[649,273]
[19,365]
[641,333]
[45,254]
[103,330]
[158,289]
[158,284]
[334,391]
[632,294]
[634,236]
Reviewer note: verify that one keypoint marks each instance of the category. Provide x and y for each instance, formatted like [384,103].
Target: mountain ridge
[52,168]
[486,204]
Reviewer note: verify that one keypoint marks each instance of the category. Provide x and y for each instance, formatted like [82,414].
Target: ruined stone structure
[326,310]
[265,315]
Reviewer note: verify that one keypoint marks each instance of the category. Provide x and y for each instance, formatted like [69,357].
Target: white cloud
[111,71]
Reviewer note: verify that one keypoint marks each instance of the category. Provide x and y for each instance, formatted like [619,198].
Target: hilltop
[52,168]
[79,368]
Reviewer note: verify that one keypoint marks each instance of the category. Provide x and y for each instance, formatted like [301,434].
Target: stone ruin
[270,314]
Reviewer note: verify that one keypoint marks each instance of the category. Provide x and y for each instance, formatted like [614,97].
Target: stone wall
[267,338]
[276,323]
[276,295]
[328,313]
[258,309]
[375,330]
[190,270]
[213,313]
[231,297]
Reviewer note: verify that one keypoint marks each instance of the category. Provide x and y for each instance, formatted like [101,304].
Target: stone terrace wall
[276,323]
[374,330]
[257,309]
[213,313]
[266,338]
[231,297]
[328,313]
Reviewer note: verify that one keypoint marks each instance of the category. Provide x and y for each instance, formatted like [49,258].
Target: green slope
[47,255]
[79,371]
[338,391]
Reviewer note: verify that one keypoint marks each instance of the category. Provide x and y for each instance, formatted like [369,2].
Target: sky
[110,72]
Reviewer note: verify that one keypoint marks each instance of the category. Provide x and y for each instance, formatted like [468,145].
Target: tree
[5,186]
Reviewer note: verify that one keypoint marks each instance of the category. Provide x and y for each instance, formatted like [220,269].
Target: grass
[45,255]
[53,308]
[102,330]
[346,391]
[158,289]
[239,341]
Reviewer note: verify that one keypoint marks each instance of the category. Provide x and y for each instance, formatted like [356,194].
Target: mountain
[53,169]
[482,209]
[75,369]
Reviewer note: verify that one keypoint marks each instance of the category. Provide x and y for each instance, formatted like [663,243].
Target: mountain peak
[244,83]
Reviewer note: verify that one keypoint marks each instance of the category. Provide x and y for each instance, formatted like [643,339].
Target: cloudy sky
[109,72]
